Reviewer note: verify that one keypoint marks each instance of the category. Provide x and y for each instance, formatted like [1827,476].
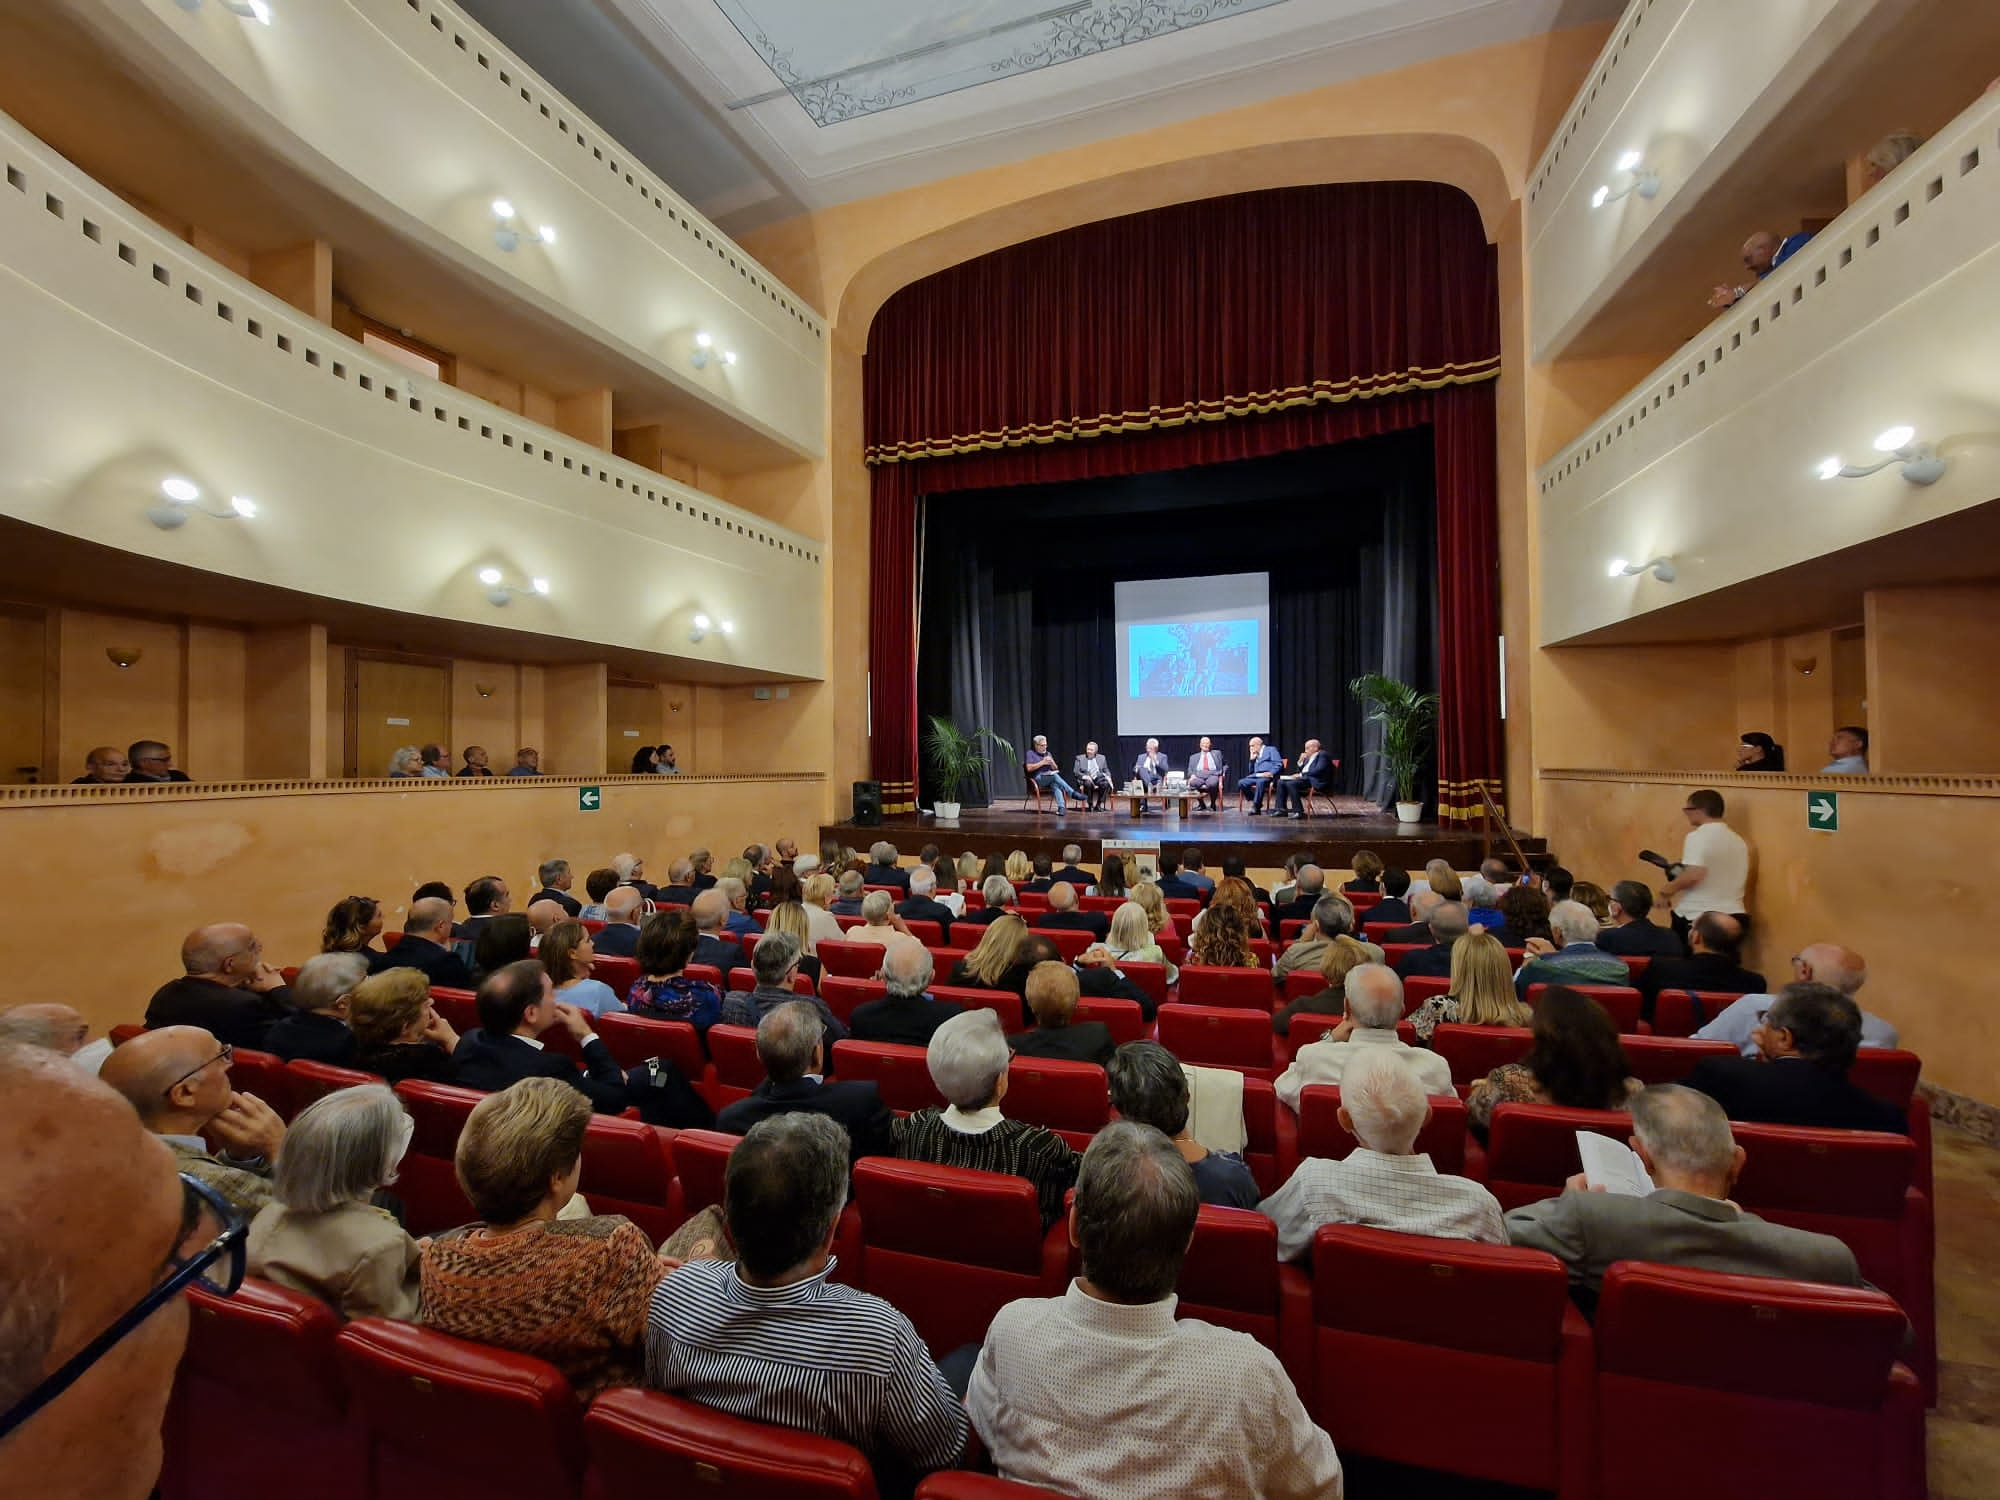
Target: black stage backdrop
[1016,625]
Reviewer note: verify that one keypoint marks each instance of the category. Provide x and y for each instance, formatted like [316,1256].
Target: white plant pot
[1409,812]
[947,812]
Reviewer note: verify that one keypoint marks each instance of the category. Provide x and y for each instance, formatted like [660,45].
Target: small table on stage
[1173,800]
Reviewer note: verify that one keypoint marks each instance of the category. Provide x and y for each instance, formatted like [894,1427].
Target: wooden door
[394,702]
[633,720]
[23,711]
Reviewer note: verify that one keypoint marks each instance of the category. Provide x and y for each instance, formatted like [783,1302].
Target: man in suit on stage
[1151,768]
[1205,775]
[1315,771]
[1265,766]
[1093,777]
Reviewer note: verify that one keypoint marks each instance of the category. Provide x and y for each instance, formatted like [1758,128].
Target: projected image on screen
[1194,659]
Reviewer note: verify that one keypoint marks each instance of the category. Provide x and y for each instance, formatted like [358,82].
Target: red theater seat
[1794,1386]
[633,1039]
[648,1443]
[1322,1134]
[258,1395]
[930,934]
[628,1170]
[1422,987]
[1032,900]
[1215,1036]
[426,1182]
[707,974]
[1684,1012]
[1668,1059]
[460,1007]
[619,973]
[1399,1315]
[123,1033]
[942,959]
[701,1157]
[1303,982]
[1173,947]
[848,924]
[733,1049]
[262,1074]
[1123,1018]
[1531,1149]
[842,995]
[1102,903]
[1232,1278]
[1058,1095]
[951,1247]
[1271,1145]
[1475,1051]
[306,1082]
[850,960]
[1290,928]
[1183,909]
[1887,1073]
[1069,942]
[1003,1003]
[1248,989]
[1620,1001]
[901,1074]
[1152,978]
[451,1420]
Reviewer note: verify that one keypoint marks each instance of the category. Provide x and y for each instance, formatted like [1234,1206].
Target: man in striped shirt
[770,1338]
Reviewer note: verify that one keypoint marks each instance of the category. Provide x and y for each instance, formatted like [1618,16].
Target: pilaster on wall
[301,274]
[1929,652]
[576,718]
[284,696]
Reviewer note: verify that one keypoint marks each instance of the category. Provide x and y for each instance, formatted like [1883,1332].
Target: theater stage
[1262,842]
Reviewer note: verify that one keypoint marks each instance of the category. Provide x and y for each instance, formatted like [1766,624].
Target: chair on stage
[1041,795]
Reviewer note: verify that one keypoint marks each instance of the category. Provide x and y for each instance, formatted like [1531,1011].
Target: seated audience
[107,765]
[1223,939]
[1596,898]
[1481,994]
[663,991]
[597,887]
[1817,963]
[398,1033]
[1526,909]
[816,895]
[542,915]
[1051,993]
[1343,955]
[700,861]
[573,1292]
[1233,890]
[1158,918]
[1173,885]
[882,867]
[1368,868]
[177,1078]
[1575,1060]
[968,1058]
[1440,877]
[736,918]
[1807,1042]
[1574,958]
[1886,155]
[1150,1087]
[775,964]
[352,927]
[789,918]
[1763,253]
[1097,974]
[322,1234]
[1111,876]
[1849,749]
[504,940]
[1064,915]
[679,889]
[923,904]
[405,764]
[1496,872]
[1716,965]
[853,887]
[993,957]
[1482,903]
[792,1047]
[516,1005]
[152,760]
[711,946]
[486,898]
[527,762]
[1633,932]
[567,953]
[879,922]
[771,1338]
[1422,907]
[1233,868]
[477,761]
[54,1027]
[426,946]
[631,870]
[624,910]
[1374,1007]
[1448,923]
[438,890]
[1193,874]
[556,884]
[1332,919]
[998,893]
[1757,751]
[225,988]
[1687,1220]
[907,1014]
[1071,871]
[1018,867]
[1385,1182]
[1104,1392]
[316,1029]
[1131,937]
[1394,905]
[1556,883]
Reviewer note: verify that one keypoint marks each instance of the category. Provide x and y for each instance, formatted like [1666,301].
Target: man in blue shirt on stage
[1041,769]
[1265,766]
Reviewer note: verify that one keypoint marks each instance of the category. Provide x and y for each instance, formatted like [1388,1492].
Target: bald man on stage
[1314,772]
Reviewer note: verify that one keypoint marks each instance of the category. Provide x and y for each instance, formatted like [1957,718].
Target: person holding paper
[1682,1141]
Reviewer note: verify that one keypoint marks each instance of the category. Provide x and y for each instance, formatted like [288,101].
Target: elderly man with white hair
[624,910]
[737,918]
[711,945]
[1482,903]
[907,1014]
[1385,1182]
[1578,961]
[922,905]
[1817,963]
[1374,1007]
[882,867]
[850,886]
[968,1060]
[997,891]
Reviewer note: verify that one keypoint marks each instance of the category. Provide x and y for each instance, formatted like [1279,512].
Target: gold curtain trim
[1255,403]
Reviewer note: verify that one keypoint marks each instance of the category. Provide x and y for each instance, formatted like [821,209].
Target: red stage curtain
[1228,328]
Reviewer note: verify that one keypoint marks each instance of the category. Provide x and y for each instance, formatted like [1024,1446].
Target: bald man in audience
[711,913]
[226,987]
[1716,966]
[1374,998]
[178,1081]
[542,915]
[1423,906]
[57,1027]
[624,910]
[107,765]
[72,1263]
[1307,887]
[426,945]
[1065,915]
[1816,963]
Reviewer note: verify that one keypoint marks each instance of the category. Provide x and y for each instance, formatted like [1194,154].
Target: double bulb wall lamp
[705,350]
[507,227]
[1639,179]
[702,624]
[1661,568]
[1920,461]
[178,497]
[500,592]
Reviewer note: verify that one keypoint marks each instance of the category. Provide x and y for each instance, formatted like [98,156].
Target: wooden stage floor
[1263,842]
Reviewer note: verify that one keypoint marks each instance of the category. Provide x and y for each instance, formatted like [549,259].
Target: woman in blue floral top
[663,991]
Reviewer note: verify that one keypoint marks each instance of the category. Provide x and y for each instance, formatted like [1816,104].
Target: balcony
[134,358]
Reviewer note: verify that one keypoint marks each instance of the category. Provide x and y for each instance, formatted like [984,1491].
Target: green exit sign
[1823,812]
[589,799]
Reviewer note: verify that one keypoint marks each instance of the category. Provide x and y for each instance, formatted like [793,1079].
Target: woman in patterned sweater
[968,1061]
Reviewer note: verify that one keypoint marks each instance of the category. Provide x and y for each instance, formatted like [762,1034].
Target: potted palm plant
[1408,718]
[958,759]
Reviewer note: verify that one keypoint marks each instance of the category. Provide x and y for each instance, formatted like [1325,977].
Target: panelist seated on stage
[1266,764]
[1041,769]
[1204,774]
[1151,768]
[1093,776]
[1314,772]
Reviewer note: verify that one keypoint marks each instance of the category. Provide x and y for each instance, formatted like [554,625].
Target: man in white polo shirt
[1715,865]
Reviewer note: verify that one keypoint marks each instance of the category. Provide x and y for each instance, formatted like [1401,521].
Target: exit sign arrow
[588,799]
[1823,812]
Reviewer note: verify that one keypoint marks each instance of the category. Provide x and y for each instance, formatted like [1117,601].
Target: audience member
[791,1046]
[1422,907]
[1343,955]
[527,762]
[1130,938]
[663,991]
[322,1234]
[1526,909]
[1043,873]
[1887,154]
[516,1005]
[1447,925]
[1374,1007]
[1763,253]
[1684,1141]
[542,916]
[556,884]
[1385,1182]
[436,762]
[1574,958]
[1097,974]
[786,854]
[1715,864]
[709,911]
[1105,1392]
[505,940]
[668,763]
[993,958]
[1481,994]
[758,857]
[882,867]
[645,760]
[1233,868]
[1555,882]
[1575,1060]
[619,937]
[1632,931]
[679,889]
[879,921]
[1233,891]
[922,905]
[701,861]
[1285,889]
[316,1029]
[775,961]
[771,1338]
[1393,907]
[55,1027]
[1716,965]
[1595,898]
[817,897]
[1482,903]
[352,927]
[426,946]
[105,766]
[631,870]
[1150,1087]
[1175,886]
[1223,939]
[1064,915]
[1051,992]
[1756,751]
[1849,749]
[1147,893]
[152,760]
[570,1291]
[597,886]
[226,988]
[405,764]
[853,890]
[1193,874]
[398,1033]
[968,1058]
[789,918]
[1807,1043]
[567,953]
[907,1014]
[477,762]
[177,1078]
[1821,963]
[486,898]
[1332,918]
[736,918]
[1072,872]
[1111,876]
[1440,877]
[1496,872]
[1368,867]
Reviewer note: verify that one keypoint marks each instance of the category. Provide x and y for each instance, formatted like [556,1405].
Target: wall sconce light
[507,229]
[1805,666]
[705,350]
[485,690]
[702,625]
[249,10]
[179,496]
[1639,179]
[1920,461]
[674,705]
[122,657]
[500,592]
[1661,568]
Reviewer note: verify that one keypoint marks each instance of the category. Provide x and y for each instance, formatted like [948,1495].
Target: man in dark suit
[758,856]
[1314,773]
[1266,765]
[907,1014]
[1448,924]
[679,889]
[791,1047]
[711,912]
[1150,768]
[1308,885]
[486,898]
[1044,876]
[1052,994]
[883,869]
[426,945]
[923,905]
[1092,774]
[1633,932]
[1172,887]
[227,989]
[1204,773]
[317,1029]
[1233,868]
[1392,907]
[1081,878]
[516,1005]
[153,761]
[1423,906]
[623,909]
[1717,942]
[556,880]
[1807,1040]
[1063,914]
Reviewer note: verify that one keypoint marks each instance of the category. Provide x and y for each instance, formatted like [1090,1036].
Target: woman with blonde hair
[1019,869]
[1147,894]
[1482,990]
[741,869]
[1443,879]
[397,1030]
[1132,937]
[821,924]
[1596,897]
[352,927]
[998,950]
[1223,941]
[792,919]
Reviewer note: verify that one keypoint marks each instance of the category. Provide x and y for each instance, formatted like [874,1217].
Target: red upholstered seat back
[262,1074]
[451,1420]
[1230,1276]
[901,1074]
[1070,942]
[1247,988]
[617,972]
[930,934]
[646,1443]
[307,1081]
[1271,1136]
[849,960]
[1668,1059]
[1152,978]
[627,1170]
[633,1039]
[1620,1001]
[842,994]
[1216,1036]
[427,1182]
[733,1049]
[701,1158]
[1300,983]
[1003,1003]
[1058,1095]
[1421,987]
[1449,1294]
[1674,1011]
[1322,1134]
[460,1007]
[1475,1051]
[706,974]
[1531,1148]
[1122,1018]
[1886,1073]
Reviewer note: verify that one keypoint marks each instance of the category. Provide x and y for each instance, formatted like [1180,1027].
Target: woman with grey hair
[968,1059]
[405,764]
[1149,1087]
[321,1234]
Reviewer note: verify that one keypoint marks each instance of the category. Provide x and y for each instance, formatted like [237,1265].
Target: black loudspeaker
[868,804]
